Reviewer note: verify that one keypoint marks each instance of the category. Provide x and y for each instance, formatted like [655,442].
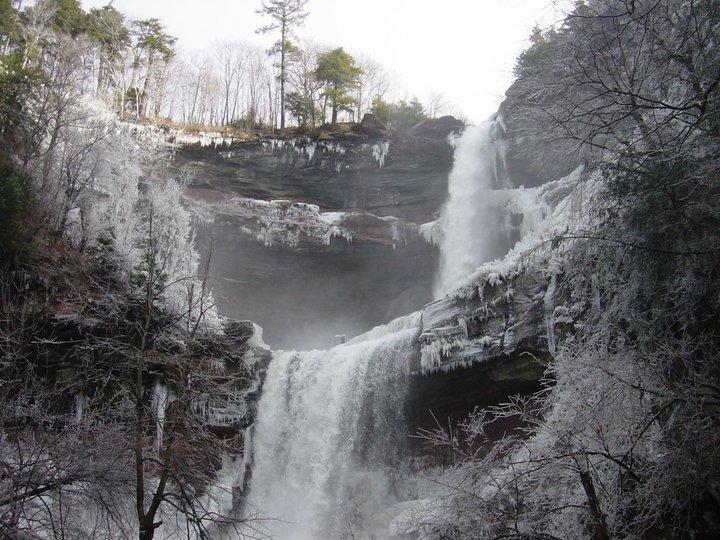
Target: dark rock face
[437,128]
[410,184]
[373,127]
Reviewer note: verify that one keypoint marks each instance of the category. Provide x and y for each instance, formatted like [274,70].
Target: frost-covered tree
[105,435]
[621,441]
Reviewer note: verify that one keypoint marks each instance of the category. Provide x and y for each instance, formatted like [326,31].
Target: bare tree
[374,81]
[438,105]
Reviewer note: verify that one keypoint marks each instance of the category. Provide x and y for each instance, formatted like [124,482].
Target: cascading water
[471,226]
[330,425]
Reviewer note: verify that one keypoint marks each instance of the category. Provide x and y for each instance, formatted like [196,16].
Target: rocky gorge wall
[306,243]
[300,228]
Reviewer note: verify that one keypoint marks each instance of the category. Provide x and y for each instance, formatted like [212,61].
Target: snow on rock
[554,207]
[515,301]
[287,223]
[432,232]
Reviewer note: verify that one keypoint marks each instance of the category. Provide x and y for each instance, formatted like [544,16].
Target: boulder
[437,128]
[372,127]
[238,331]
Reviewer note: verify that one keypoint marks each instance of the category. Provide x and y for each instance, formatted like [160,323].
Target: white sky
[465,49]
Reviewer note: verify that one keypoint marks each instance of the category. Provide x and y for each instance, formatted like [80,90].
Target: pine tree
[287,15]
[152,41]
[338,70]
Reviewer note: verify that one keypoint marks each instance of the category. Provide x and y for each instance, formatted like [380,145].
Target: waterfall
[471,225]
[329,428]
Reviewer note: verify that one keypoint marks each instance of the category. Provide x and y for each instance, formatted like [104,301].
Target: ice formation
[432,232]
[380,152]
[287,223]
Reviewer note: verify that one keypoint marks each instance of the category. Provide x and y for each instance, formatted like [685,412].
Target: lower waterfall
[329,431]
[470,225]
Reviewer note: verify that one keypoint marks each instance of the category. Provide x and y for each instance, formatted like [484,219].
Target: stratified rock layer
[313,238]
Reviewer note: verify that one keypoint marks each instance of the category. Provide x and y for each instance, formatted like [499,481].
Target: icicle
[380,152]
[247,456]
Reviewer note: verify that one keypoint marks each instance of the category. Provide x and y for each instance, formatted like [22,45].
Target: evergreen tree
[106,26]
[400,116]
[153,43]
[300,106]
[70,18]
[404,115]
[382,109]
[337,69]
[287,15]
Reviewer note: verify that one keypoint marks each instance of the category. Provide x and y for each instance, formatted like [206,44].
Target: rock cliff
[302,227]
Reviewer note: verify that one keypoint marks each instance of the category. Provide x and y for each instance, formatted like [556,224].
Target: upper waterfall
[471,228]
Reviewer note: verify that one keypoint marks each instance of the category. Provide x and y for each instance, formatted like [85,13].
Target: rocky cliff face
[533,156]
[478,351]
[301,228]
[401,176]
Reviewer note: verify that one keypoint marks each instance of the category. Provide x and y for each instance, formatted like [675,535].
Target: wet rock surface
[474,353]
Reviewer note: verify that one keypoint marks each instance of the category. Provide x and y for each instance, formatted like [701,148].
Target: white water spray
[470,228]
[329,425]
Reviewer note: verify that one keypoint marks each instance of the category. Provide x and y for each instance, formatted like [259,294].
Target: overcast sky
[465,49]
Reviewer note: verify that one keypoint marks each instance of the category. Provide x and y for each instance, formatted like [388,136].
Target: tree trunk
[334,106]
[600,530]
[147,85]
[282,76]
